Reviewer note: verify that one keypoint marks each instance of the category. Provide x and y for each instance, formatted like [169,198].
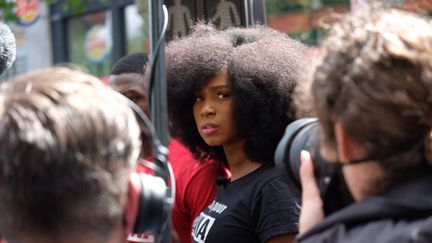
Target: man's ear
[346,146]
[132,203]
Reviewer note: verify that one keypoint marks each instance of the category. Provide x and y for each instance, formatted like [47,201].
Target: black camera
[301,135]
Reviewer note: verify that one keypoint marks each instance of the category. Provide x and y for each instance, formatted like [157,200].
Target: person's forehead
[125,80]
[220,79]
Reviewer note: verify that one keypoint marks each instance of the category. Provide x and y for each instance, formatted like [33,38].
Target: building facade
[106,30]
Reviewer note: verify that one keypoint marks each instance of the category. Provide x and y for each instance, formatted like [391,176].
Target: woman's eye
[222,95]
[198,99]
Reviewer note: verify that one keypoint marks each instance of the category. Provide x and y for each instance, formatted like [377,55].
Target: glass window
[181,15]
[90,42]
[226,13]
[136,30]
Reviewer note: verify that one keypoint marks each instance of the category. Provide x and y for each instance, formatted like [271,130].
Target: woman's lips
[209,128]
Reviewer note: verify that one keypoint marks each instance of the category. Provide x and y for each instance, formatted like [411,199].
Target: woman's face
[213,112]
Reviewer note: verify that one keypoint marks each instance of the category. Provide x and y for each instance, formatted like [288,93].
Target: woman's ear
[132,203]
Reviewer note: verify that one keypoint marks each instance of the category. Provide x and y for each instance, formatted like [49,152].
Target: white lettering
[201,227]
[217,207]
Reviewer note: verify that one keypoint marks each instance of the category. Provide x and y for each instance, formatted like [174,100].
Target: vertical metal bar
[159,114]
[59,37]
[247,17]
[118,31]
[259,14]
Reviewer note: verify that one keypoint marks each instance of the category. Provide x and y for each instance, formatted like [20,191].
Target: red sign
[27,11]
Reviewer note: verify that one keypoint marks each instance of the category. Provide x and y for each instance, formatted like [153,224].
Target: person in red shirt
[195,180]
[195,187]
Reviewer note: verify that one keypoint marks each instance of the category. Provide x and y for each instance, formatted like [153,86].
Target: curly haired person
[373,96]
[230,95]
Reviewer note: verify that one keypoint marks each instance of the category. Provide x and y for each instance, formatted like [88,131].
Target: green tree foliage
[6,11]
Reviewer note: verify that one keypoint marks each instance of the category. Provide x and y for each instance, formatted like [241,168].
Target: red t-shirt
[195,188]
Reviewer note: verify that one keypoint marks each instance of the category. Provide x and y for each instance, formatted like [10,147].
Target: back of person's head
[376,78]
[72,66]
[68,146]
[132,63]
[264,67]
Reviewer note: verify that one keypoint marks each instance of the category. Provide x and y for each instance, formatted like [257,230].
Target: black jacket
[403,214]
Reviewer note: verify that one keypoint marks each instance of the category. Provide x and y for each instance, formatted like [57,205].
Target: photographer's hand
[312,205]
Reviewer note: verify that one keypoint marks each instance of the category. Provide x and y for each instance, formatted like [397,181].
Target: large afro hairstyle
[264,68]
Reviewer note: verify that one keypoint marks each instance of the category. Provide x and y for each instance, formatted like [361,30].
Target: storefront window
[181,15]
[90,42]
[136,30]
[305,20]
[226,13]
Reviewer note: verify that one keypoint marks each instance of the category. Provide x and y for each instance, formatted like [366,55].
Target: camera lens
[299,135]
[303,135]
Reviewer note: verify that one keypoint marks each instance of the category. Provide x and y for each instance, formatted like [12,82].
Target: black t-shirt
[253,208]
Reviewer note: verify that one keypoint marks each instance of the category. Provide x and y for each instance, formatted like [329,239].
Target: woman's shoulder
[270,187]
[274,209]
[268,175]
[263,183]
[258,178]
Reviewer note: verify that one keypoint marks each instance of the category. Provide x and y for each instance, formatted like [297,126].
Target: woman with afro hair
[231,94]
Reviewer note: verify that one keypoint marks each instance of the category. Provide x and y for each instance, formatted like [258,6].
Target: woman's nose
[207,110]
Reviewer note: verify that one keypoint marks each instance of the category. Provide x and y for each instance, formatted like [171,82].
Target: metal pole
[159,110]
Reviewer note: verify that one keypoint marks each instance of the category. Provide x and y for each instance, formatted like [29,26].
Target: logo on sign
[97,44]
[27,11]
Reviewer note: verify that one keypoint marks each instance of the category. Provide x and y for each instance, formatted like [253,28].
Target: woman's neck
[237,160]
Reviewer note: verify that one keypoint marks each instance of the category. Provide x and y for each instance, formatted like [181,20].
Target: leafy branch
[6,11]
